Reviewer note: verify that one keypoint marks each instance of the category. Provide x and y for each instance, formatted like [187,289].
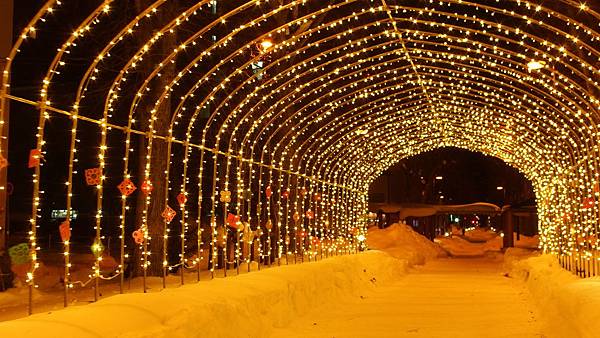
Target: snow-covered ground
[478,242]
[571,305]
[458,298]
[247,305]
[400,241]
[379,293]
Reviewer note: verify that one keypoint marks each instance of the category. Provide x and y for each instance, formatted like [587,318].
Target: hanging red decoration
[303,191]
[93,176]
[147,187]
[296,216]
[588,202]
[285,195]
[35,156]
[3,162]
[597,187]
[168,214]
[310,214]
[317,197]
[126,187]
[138,236]
[269,225]
[232,220]
[181,199]
[65,230]
[268,191]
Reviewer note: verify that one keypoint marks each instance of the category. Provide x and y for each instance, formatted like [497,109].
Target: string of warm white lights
[276,117]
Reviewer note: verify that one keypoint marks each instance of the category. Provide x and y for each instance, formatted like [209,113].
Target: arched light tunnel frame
[335,105]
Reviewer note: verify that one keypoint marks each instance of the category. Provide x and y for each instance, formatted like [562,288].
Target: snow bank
[248,305]
[571,305]
[480,234]
[480,242]
[459,247]
[400,241]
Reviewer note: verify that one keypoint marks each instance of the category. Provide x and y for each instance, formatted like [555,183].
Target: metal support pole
[6,31]
[508,228]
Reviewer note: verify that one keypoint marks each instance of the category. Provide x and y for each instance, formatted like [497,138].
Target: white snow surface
[571,305]
[249,305]
[479,242]
[400,241]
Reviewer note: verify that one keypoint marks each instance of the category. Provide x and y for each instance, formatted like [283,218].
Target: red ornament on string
[232,220]
[93,176]
[268,191]
[310,214]
[127,187]
[65,231]
[303,192]
[138,236]
[35,156]
[285,195]
[588,202]
[181,199]
[147,187]
[296,216]
[317,197]
[168,214]
[3,162]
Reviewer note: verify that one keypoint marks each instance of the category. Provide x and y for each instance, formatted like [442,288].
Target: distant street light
[501,188]
[439,178]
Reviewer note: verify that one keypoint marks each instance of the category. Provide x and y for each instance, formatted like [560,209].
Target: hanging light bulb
[265,45]
[535,65]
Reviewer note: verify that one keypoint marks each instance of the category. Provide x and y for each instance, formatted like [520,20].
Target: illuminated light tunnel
[251,130]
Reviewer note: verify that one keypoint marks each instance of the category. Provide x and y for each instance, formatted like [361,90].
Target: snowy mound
[571,304]
[479,242]
[459,247]
[400,241]
[480,235]
[248,305]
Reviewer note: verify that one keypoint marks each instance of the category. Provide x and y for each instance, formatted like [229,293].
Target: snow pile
[459,247]
[527,242]
[571,305]
[479,242]
[479,234]
[249,305]
[400,241]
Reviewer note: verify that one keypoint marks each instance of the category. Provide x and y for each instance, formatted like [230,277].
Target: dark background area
[467,177]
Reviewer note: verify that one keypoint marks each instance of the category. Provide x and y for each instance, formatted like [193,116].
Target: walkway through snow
[444,298]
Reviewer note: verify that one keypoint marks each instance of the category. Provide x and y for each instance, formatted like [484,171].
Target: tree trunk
[159,159]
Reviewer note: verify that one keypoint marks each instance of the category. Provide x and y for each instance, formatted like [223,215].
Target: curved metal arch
[562,98]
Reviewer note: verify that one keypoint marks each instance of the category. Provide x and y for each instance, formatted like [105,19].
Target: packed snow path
[444,298]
